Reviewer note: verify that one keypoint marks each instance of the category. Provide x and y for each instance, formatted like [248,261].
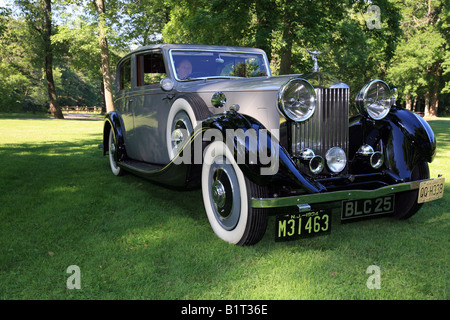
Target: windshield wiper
[212,77]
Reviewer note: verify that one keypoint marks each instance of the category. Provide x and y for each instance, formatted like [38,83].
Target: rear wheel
[112,144]
[226,196]
[406,203]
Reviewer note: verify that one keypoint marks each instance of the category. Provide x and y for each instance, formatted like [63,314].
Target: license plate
[302,225]
[361,208]
[431,190]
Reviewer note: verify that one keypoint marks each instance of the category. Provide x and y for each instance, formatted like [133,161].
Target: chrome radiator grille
[328,127]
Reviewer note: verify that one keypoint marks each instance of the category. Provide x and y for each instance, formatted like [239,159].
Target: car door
[151,108]
[122,102]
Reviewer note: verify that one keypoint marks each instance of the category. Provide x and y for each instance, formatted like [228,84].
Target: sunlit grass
[61,206]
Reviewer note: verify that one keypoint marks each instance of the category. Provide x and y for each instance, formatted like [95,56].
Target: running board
[139,166]
[169,175]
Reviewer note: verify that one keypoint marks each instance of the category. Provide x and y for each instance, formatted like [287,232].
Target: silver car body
[324,157]
[145,109]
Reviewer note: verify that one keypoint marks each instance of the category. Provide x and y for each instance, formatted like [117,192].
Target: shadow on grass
[132,239]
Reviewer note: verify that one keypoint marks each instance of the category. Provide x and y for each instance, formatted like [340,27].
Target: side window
[150,68]
[125,75]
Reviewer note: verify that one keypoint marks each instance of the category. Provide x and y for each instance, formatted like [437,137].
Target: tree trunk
[266,24]
[435,95]
[286,51]
[414,106]
[55,109]
[102,92]
[287,39]
[408,101]
[104,57]
[427,104]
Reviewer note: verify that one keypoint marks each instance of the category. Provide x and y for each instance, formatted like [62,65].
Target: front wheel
[181,122]
[226,196]
[406,203]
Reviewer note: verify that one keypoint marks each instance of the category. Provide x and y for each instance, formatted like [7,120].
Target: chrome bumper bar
[307,199]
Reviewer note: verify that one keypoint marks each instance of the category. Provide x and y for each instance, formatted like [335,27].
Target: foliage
[22,83]
[420,65]
[143,21]
[409,47]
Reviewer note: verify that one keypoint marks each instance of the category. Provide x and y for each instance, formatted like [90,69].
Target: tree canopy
[404,42]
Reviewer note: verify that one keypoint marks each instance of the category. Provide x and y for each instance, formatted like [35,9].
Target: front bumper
[328,198]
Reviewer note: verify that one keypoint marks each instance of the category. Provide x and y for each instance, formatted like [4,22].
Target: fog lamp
[316,164]
[376,159]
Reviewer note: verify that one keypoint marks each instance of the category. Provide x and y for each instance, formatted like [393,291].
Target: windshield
[191,65]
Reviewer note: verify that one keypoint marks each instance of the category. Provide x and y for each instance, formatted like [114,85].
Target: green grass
[60,205]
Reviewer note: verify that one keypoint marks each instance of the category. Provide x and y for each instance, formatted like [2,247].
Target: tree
[267,19]
[55,109]
[355,51]
[21,80]
[104,56]
[102,14]
[39,17]
[420,59]
[143,21]
[209,22]
[79,54]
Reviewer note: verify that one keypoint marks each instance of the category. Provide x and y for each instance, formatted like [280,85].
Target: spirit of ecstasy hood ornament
[314,55]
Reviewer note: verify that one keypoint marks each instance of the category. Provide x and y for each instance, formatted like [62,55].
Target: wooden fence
[82,109]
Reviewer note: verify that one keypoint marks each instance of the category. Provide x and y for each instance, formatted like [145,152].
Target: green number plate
[362,208]
[302,225]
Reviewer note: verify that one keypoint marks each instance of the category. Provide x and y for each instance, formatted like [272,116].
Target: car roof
[167,47]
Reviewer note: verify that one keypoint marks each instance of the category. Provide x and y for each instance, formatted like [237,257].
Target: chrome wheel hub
[177,137]
[218,193]
[180,131]
[224,193]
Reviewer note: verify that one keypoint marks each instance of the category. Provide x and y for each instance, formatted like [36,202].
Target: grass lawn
[60,206]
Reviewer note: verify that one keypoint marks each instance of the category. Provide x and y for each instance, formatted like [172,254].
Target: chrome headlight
[297,100]
[375,99]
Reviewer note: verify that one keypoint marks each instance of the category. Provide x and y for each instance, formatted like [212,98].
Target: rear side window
[150,68]
[125,75]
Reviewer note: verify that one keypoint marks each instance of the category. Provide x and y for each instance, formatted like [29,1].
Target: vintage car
[214,117]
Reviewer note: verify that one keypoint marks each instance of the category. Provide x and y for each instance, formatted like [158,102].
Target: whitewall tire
[226,197]
[180,125]
[116,170]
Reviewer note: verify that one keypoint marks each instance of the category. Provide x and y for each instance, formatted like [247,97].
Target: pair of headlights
[297,99]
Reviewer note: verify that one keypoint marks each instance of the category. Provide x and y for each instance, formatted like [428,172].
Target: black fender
[406,139]
[113,121]
[267,162]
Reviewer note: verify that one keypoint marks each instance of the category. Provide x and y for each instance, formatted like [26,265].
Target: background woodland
[56,53]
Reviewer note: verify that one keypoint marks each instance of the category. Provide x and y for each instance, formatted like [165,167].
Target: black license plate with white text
[361,208]
[301,225]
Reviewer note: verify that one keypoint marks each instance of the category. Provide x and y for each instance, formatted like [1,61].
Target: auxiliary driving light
[365,150]
[336,159]
[376,157]
[307,154]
